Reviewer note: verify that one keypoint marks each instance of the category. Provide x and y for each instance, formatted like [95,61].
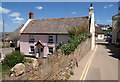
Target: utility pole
[3,34]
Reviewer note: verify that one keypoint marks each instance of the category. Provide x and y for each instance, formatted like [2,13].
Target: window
[32,49]
[50,39]
[41,49]
[50,50]
[31,39]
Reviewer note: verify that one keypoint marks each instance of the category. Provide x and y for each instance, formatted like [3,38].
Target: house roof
[39,42]
[4,35]
[98,30]
[117,16]
[54,25]
[15,34]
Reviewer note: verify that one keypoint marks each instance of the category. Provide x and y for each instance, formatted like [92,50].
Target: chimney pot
[31,15]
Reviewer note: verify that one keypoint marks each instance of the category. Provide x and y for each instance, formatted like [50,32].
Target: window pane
[50,39]
[32,48]
[50,50]
[31,38]
[50,36]
[41,49]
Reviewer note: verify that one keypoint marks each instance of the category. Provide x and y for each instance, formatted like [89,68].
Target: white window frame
[30,50]
[31,39]
[51,48]
[50,39]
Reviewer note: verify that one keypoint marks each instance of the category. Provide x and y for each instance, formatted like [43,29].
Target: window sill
[31,52]
[32,42]
[50,42]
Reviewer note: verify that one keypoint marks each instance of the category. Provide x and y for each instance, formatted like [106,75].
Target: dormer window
[50,39]
[31,39]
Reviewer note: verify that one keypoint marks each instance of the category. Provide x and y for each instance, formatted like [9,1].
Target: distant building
[12,38]
[104,27]
[100,35]
[115,27]
[5,35]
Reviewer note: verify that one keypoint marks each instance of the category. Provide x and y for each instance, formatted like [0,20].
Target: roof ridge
[62,18]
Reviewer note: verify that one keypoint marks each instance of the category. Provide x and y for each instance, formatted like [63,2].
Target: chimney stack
[31,15]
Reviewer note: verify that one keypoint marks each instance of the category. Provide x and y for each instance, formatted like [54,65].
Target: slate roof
[98,30]
[117,16]
[39,42]
[3,34]
[54,25]
[15,34]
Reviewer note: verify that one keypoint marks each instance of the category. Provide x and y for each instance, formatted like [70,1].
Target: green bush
[67,77]
[28,60]
[76,30]
[13,58]
[5,46]
[74,42]
[71,72]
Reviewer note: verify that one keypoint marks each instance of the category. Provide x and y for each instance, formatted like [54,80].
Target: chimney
[31,15]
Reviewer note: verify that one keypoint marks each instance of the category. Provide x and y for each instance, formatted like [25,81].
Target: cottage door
[40,52]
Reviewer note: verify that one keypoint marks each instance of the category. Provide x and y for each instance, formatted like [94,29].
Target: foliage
[5,70]
[5,46]
[76,30]
[28,60]
[67,77]
[13,58]
[71,72]
[74,42]
[110,30]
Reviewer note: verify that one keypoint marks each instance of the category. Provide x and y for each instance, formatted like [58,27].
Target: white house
[41,37]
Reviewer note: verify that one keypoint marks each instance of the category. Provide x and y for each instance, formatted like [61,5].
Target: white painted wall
[63,38]
[100,37]
[92,26]
[25,45]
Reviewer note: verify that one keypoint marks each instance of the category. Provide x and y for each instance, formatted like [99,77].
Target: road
[100,64]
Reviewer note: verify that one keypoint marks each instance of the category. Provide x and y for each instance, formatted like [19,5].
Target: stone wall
[56,66]
[5,51]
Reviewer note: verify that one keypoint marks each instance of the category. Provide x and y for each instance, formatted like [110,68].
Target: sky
[16,13]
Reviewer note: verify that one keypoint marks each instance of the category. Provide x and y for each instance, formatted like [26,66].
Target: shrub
[74,42]
[5,46]
[71,72]
[67,77]
[76,30]
[13,58]
[28,60]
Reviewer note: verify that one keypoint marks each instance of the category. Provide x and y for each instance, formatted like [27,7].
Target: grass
[69,75]
[5,70]
[71,72]
[0,71]
[4,46]
[28,60]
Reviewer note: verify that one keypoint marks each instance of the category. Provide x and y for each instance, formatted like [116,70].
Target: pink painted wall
[25,45]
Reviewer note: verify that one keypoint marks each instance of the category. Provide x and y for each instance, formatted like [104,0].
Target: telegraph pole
[3,34]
